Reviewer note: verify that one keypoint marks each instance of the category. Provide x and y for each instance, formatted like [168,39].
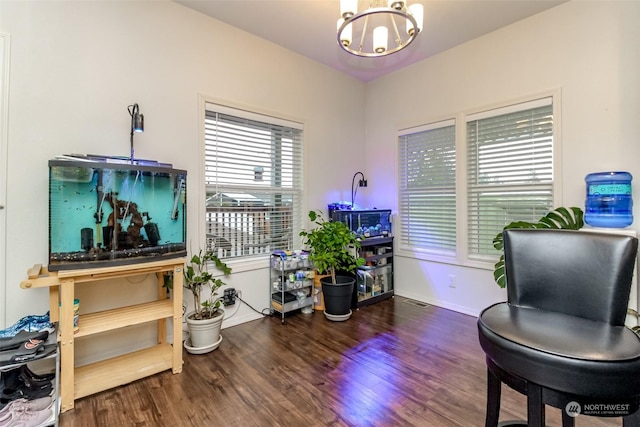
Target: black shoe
[20,337]
[14,380]
[17,377]
[9,394]
[28,351]
[32,376]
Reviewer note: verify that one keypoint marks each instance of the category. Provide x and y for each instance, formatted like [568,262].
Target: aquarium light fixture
[379,24]
[137,123]
[354,190]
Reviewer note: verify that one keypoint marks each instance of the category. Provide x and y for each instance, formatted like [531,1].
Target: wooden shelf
[82,381]
[106,374]
[108,320]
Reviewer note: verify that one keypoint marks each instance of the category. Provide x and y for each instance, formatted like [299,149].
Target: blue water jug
[609,202]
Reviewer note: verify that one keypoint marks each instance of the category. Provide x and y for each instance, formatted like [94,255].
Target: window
[509,170]
[427,204]
[253,178]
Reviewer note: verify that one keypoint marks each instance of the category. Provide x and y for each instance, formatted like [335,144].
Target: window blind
[253,178]
[427,180]
[509,170]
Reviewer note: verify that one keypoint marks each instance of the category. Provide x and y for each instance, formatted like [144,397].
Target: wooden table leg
[67,355]
[162,323]
[54,300]
[177,317]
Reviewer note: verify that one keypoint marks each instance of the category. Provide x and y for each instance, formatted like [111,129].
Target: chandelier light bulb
[346,35]
[348,8]
[417,11]
[380,37]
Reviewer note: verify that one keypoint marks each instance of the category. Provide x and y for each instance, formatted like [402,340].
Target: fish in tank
[103,214]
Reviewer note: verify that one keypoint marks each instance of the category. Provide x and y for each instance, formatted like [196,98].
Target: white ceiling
[308,27]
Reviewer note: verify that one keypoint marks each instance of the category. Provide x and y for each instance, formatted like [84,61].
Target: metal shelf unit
[374,281]
[55,357]
[291,280]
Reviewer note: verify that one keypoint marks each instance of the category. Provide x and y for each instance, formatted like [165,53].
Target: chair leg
[631,420]
[567,420]
[494,388]
[535,407]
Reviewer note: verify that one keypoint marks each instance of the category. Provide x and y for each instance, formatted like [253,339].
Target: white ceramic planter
[203,334]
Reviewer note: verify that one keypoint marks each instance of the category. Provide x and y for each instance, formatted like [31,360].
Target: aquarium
[366,222]
[103,214]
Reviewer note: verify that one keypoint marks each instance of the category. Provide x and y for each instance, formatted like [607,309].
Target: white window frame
[403,239]
[246,262]
[512,172]
[462,257]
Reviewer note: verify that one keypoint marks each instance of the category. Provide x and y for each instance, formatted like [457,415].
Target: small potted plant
[332,248]
[205,321]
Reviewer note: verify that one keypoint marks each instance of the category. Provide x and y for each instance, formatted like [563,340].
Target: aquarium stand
[77,382]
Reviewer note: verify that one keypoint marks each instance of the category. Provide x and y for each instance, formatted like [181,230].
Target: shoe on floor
[26,418]
[24,405]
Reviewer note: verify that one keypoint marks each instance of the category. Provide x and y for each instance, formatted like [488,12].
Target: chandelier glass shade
[385,27]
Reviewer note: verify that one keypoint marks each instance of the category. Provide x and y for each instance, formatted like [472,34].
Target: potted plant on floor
[332,247]
[205,321]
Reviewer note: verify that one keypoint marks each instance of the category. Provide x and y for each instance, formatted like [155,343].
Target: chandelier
[385,27]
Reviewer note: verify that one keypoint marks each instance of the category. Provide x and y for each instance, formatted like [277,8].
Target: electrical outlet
[362,183]
[229,297]
[452,281]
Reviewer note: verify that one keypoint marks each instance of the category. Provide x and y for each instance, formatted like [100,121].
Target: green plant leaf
[559,218]
[330,245]
[498,273]
[197,277]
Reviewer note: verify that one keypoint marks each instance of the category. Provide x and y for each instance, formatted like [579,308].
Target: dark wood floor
[394,363]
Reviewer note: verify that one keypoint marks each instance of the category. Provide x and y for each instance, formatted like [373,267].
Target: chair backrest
[580,273]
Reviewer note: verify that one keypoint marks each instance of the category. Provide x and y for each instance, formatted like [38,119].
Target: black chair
[560,338]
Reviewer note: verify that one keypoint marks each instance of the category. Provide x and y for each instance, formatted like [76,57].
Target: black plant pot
[337,297]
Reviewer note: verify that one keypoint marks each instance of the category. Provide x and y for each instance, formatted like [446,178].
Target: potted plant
[205,321]
[332,248]
[559,218]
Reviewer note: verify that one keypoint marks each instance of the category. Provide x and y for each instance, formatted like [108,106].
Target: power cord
[264,312]
[251,307]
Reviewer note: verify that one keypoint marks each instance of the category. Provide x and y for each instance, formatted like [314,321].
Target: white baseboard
[443,304]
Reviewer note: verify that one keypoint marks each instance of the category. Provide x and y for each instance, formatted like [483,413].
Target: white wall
[76,65]
[588,50]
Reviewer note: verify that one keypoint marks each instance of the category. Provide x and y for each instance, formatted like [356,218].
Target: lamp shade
[380,37]
[417,11]
[138,122]
[348,8]
[347,33]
